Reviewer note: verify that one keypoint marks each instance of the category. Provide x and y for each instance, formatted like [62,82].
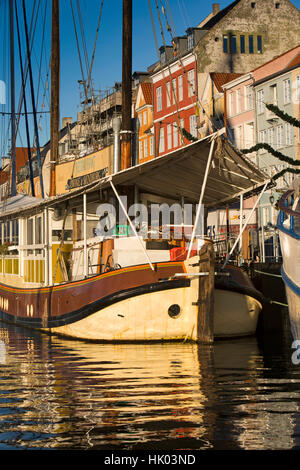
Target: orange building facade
[144,111]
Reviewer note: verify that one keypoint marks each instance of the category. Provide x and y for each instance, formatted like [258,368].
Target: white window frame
[271,136]
[249,97]
[168,86]
[280,136]
[161,140]
[191,83]
[169,136]
[287,91]
[151,145]
[260,101]
[288,134]
[193,125]
[238,101]
[231,103]
[159,99]
[145,117]
[298,88]
[180,88]
[174,90]
[175,135]
[141,153]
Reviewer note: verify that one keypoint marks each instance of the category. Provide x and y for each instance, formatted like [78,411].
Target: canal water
[66,395]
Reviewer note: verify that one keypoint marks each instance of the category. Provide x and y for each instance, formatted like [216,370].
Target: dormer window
[190,43]
[163,57]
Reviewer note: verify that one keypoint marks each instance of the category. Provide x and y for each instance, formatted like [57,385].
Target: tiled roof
[147,92]
[295,61]
[220,79]
[216,18]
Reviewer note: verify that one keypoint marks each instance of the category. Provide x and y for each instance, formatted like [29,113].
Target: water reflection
[64,394]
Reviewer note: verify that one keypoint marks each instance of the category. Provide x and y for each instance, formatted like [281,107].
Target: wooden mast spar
[126,85]
[55,86]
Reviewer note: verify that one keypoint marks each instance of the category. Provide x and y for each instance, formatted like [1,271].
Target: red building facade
[175,104]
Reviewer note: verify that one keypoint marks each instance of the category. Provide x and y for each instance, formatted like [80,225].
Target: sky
[107,66]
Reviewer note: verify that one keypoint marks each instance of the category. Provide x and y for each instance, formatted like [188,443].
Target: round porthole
[174,311]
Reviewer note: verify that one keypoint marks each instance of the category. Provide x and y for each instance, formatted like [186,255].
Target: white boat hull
[145,317]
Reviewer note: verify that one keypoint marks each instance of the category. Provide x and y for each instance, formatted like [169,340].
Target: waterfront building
[175,98]
[144,111]
[246,34]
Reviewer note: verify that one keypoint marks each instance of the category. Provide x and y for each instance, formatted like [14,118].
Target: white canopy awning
[173,176]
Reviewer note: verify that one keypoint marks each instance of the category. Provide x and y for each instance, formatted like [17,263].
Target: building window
[145,118]
[168,85]
[239,101]
[261,101]
[242,44]
[151,146]
[161,141]
[175,135]
[249,97]
[29,232]
[263,138]
[273,94]
[163,57]
[169,136]
[191,82]
[225,44]
[190,43]
[251,45]
[141,150]
[239,137]
[193,125]
[231,104]
[277,5]
[158,99]
[233,44]
[252,4]
[271,135]
[180,88]
[287,91]
[38,230]
[259,44]
[280,136]
[146,148]
[288,134]
[174,88]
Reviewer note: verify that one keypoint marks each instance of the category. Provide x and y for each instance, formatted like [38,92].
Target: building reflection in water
[58,393]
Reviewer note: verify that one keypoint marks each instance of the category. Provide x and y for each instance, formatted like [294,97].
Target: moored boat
[289,229]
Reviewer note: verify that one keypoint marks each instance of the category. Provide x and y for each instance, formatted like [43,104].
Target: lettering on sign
[86,179]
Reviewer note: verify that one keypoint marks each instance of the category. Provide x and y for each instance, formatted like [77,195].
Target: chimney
[216,8]
[66,120]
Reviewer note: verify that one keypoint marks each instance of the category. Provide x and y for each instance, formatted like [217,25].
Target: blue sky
[107,67]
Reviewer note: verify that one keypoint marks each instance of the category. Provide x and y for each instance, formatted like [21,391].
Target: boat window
[38,230]
[7,231]
[30,231]
[15,232]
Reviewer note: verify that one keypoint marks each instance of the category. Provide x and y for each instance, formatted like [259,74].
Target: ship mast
[12,90]
[126,84]
[55,86]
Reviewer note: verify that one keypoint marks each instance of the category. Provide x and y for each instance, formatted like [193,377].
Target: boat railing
[287,211]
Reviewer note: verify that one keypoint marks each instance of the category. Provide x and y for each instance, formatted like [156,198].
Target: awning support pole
[131,224]
[201,195]
[85,261]
[245,225]
[241,226]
